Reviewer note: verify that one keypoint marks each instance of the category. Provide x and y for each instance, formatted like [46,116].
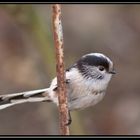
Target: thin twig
[61,79]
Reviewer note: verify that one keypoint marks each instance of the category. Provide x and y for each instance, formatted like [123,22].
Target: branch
[61,79]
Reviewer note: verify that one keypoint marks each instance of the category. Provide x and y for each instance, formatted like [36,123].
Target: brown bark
[62,95]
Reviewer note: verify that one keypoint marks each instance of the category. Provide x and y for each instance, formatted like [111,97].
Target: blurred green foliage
[28,18]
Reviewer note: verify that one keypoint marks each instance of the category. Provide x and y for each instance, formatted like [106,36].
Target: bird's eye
[101,68]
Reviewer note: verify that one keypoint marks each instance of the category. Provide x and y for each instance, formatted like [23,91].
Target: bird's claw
[69,121]
[67,81]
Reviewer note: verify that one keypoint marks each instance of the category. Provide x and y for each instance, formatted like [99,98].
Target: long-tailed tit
[86,83]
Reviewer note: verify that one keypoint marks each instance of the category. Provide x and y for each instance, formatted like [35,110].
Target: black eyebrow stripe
[93,60]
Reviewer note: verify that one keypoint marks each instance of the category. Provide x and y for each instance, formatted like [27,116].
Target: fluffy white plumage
[86,87]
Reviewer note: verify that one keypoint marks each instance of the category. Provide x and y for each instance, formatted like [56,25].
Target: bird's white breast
[82,92]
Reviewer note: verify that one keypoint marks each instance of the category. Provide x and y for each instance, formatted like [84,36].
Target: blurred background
[27,62]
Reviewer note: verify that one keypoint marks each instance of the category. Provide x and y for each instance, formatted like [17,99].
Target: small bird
[86,83]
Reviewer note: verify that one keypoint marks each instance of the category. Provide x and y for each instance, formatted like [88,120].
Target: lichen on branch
[60,70]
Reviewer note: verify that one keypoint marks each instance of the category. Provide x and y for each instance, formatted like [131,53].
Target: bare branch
[61,79]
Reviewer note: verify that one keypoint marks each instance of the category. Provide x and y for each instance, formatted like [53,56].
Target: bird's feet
[69,119]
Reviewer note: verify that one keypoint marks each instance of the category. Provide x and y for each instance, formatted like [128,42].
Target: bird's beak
[112,72]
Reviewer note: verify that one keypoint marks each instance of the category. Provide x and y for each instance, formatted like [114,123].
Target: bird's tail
[8,100]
